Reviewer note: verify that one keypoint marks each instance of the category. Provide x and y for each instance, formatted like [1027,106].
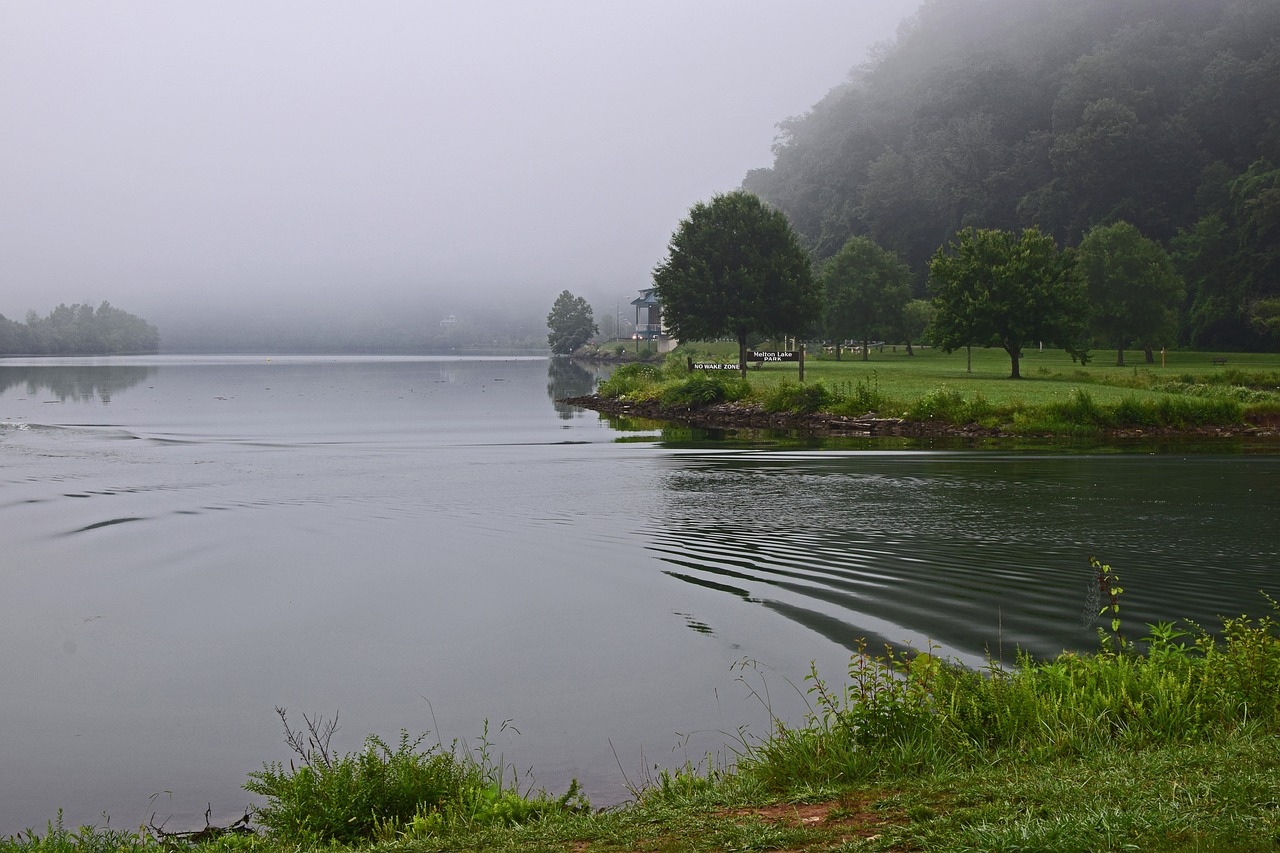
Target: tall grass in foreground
[901,714]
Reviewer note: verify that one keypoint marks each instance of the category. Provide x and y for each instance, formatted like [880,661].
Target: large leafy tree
[571,323]
[995,288]
[1134,291]
[734,267]
[866,289]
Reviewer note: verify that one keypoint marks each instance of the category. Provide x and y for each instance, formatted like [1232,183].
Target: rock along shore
[739,416]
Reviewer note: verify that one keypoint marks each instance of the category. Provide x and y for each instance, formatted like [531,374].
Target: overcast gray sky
[160,154]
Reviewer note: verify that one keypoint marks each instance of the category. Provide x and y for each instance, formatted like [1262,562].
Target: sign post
[796,355]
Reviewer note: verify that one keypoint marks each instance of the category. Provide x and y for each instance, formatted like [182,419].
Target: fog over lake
[339,165]
[431,542]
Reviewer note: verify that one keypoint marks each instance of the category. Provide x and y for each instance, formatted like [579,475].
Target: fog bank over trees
[1009,114]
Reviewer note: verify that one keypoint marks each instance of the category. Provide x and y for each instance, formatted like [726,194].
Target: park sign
[756,356]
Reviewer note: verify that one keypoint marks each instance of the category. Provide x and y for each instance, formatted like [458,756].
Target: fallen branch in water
[209,833]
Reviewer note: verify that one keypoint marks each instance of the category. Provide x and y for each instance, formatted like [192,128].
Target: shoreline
[736,416]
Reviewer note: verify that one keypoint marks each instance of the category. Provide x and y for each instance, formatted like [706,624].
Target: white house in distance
[649,325]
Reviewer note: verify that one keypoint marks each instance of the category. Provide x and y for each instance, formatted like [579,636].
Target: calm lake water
[427,543]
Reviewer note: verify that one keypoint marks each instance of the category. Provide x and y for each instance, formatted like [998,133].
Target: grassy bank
[1057,396]
[1169,743]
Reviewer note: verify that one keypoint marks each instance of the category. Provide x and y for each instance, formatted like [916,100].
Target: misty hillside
[1065,115]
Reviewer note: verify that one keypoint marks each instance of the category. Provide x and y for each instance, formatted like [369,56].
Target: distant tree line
[1009,115]
[78,330]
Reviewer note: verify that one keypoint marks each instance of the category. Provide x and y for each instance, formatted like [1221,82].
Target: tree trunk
[1151,356]
[1014,356]
[837,350]
[968,367]
[1120,356]
[909,352]
[866,349]
[742,353]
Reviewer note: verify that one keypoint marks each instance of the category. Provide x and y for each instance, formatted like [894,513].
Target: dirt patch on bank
[852,816]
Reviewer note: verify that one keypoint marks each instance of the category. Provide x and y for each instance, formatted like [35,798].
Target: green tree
[1134,291]
[866,289]
[917,316]
[1205,256]
[734,267]
[1264,315]
[571,323]
[992,288]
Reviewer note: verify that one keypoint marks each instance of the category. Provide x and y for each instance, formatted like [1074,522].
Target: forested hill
[78,330]
[1063,114]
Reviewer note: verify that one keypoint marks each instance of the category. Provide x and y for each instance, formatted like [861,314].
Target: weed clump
[859,397]
[798,399]
[700,389]
[381,793]
[629,379]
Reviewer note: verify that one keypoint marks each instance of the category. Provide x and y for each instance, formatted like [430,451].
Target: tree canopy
[735,268]
[571,323]
[1134,291]
[866,289]
[1008,114]
[995,288]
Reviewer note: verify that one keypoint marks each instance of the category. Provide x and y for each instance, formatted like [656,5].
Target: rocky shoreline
[738,416]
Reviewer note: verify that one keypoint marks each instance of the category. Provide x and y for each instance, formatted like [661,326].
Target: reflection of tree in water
[567,378]
[74,382]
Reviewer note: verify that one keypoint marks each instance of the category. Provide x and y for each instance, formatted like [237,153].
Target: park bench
[1220,359]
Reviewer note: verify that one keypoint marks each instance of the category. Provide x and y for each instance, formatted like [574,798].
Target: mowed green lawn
[1047,376]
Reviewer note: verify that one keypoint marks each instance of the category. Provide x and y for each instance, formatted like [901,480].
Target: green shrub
[387,794]
[983,411]
[486,805]
[699,389]
[1130,411]
[797,399]
[940,404]
[859,397]
[345,798]
[629,379]
[1078,408]
[950,406]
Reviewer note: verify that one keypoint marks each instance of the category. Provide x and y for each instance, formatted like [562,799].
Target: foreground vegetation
[1170,742]
[1059,397]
